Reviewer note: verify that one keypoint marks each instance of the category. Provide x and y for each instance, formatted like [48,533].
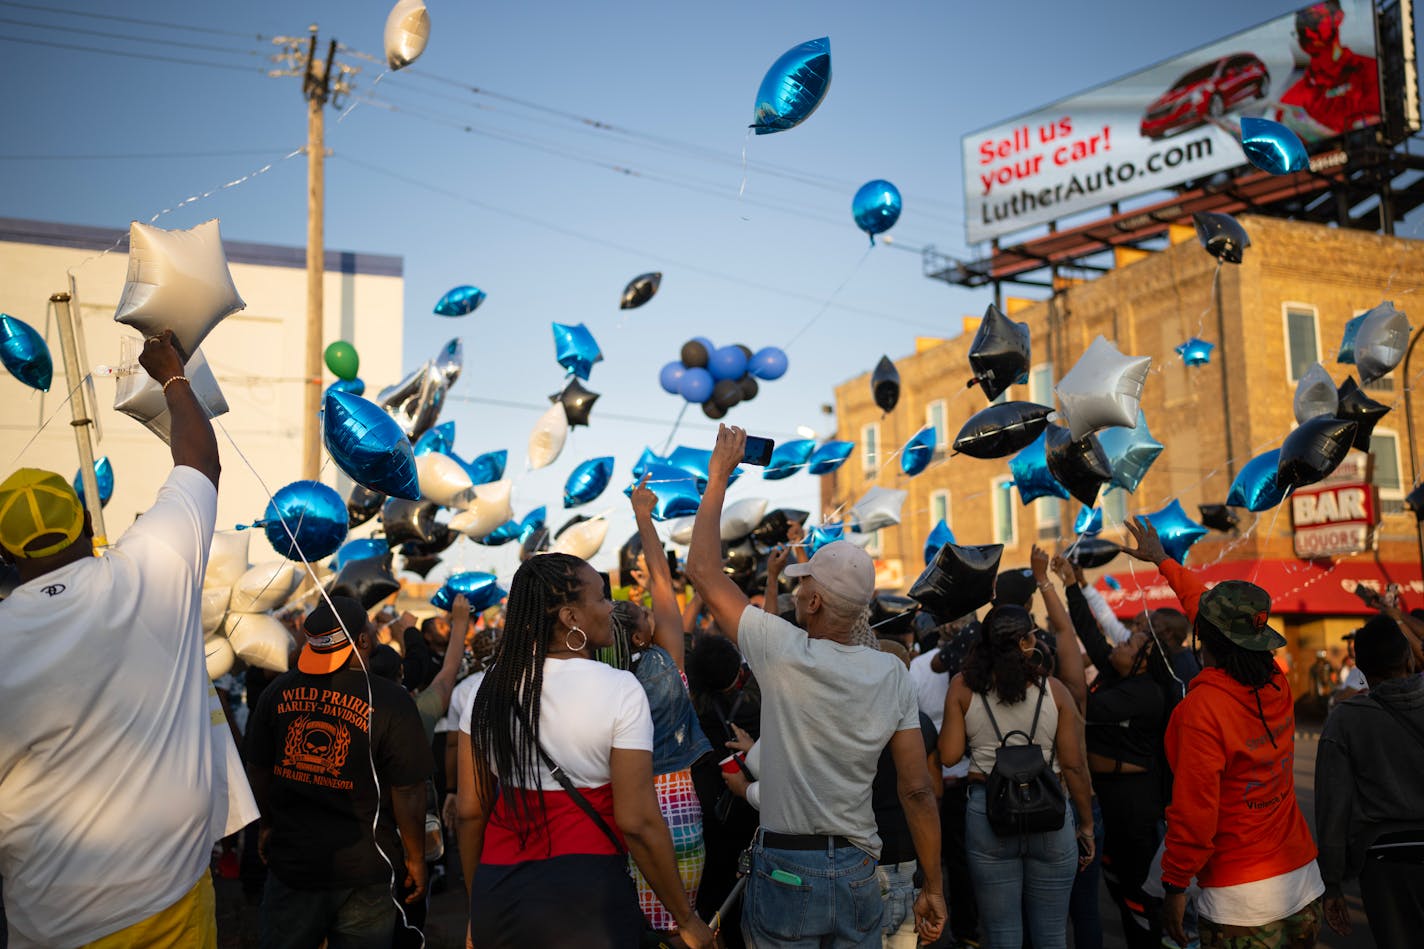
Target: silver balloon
[450,360]
[1381,342]
[879,507]
[1103,389]
[415,402]
[1315,394]
[407,32]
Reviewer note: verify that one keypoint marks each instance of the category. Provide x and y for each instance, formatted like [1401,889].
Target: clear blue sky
[534,214]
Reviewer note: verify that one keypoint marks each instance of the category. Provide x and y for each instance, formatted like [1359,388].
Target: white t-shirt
[117,772]
[587,708]
[930,687]
[457,719]
[1261,901]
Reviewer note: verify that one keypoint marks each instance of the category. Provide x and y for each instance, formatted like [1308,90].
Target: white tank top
[984,743]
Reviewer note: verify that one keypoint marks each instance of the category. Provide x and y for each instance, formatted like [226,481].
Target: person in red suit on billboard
[1340,88]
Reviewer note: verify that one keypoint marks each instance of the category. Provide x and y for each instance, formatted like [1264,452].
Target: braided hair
[504,720]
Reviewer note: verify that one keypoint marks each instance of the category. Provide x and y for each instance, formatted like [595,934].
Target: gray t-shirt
[827,711]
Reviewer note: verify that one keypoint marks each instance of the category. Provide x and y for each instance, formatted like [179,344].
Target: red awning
[1296,586]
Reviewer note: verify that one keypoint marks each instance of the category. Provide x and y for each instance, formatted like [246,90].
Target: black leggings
[571,902]
[1132,809]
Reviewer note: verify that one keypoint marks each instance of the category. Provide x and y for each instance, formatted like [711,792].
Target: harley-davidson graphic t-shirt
[322,736]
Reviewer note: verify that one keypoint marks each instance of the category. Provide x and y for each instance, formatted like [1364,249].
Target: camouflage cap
[1241,610]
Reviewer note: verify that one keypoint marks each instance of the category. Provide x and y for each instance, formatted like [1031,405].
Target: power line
[162,41]
[146,156]
[602,416]
[128,55]
[45,8]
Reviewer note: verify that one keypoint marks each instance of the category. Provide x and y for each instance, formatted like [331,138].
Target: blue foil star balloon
[793,87]
[918,451]
[363,549]
[25,353]
[1176,531]
[587,481]
[502,534]
[1030,470]
[460,301]
[575,349]
[369,446]
[788,458]
[938,537]
[819,537]
[1130,452]
[676,491]
[1347,341]
[1089,521]
[305,520]
[487,468]
[1196,352]
[103,474]
[648,457]
[481,589]
[1272,147]
[830,456]
[439,439]
[349,386]
[695,461]
[1255,487]
[876,207]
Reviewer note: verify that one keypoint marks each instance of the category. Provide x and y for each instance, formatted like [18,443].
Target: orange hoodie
[1233,817]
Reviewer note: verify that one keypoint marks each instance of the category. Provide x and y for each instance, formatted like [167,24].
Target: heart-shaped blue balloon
[305,520]
[369,445]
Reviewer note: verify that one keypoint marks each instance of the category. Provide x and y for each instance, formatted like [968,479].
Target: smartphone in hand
[758,451]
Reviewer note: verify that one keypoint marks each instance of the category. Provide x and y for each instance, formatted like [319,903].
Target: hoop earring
[569,643]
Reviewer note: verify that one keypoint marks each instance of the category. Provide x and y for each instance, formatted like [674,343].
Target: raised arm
[1070,658]
[724,599]
[444,681]
[775,563]
[1148,547]
[667,618]
[191,432]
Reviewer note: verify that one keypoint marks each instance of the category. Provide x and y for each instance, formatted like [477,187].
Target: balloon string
[356,100]
[830,299]
[676,422]
[51,418]
[742,190]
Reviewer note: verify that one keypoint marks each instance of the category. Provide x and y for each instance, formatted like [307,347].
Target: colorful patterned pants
[683,812]
[1297,931]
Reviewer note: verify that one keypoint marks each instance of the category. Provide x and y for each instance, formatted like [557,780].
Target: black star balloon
[1218,517]
[1314,450]
[1080,466]
[362,504]
[367,580]
[1359,408]
[958,580]
[999,352]
[577,401]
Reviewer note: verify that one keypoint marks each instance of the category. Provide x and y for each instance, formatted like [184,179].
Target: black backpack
[1022,794]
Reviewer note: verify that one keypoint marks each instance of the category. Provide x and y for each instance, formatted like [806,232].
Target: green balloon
[342,360]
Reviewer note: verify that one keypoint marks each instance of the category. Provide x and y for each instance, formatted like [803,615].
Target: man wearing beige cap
[829,708]
[117,769]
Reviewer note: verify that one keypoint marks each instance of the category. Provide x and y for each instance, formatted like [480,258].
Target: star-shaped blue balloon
[439,439]
[1347,342]
[695,461]
[788,458]
[1196,352]
[830,456]
[918,451]
[1255,487]
[1089,521]
[575,349]
[939,536]
[822,535]
[1176,531]
[1130,452]
[486,468]
[648,457]
[1030,470]
[676,490]
[1272,147]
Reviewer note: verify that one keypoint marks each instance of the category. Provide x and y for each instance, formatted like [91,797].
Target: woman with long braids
[559,752]
[1233,822]
[1002,689]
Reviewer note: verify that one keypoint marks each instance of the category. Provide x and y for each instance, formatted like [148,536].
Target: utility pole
[318,88]
[79,414]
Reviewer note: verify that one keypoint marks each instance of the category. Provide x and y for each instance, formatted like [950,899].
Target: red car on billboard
[1207,92]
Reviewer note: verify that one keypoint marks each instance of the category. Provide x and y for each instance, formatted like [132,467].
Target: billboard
[1338,515]
[1315,70]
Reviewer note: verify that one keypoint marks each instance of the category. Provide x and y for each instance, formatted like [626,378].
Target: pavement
[237,916]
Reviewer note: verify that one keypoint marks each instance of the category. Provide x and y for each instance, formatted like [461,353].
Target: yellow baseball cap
[40,514]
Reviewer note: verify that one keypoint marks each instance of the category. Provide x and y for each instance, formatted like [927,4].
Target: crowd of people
[675,762]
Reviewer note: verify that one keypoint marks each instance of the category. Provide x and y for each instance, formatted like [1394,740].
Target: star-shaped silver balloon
[1103,389]
[1130,452]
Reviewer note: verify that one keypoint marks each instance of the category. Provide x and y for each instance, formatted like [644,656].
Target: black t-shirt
[311,732]
[896,844]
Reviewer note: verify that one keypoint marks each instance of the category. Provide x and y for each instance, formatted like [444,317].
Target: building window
[936,418]
[1005,531]
[1302,339]
[939,508]
[1114,505]
[1048,517]
[1384,445]
[870,448]
[1040,384]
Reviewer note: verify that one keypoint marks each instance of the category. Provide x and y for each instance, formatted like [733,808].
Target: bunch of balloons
[718,378]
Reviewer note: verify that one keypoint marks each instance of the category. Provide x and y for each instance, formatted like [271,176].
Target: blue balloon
[939,536]
[729,362]
[830,456]
[1272,147]
[1030,470]
[532,523]
[481,589]
[1255,487]
[695,462]
[587,481]
[1089,521]
[460,301]
[367,548]
[793,87]
[788,458]
[1176,531]
[502,534]
[369,446]
[648,457]
[918,451]
[25,353]
[1112,582]
[818,537]
[487,468]
[440,439]
[350,386]
[696,385]
[876,207]
[575,349]
[1130,452]
[305,520]
[104,475]
[768,363]
[671,376]
[676,490]
[1196,352]
[1347,342]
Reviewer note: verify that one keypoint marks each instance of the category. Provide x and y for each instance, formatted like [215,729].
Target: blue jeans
[1022,877]
[358,918]
[836,904]
[897,894]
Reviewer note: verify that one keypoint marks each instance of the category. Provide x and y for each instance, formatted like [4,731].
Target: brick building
[1282,309]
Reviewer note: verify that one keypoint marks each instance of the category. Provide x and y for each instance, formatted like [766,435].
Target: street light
[1409,425]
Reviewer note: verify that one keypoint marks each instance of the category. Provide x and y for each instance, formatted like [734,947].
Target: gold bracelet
[173,380]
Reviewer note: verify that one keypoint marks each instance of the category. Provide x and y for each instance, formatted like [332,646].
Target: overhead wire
[129,37]
[152,57]
[166,24]
[146,156]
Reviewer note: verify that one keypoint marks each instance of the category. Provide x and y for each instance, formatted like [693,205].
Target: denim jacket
[677,738]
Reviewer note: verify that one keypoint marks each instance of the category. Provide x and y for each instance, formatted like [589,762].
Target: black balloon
[362,505]
[408,521]
[1218,517]
[578,401]
[739,556]
[999,353]
[885,384]
[1359,408]
[1414,500]
[1080,466]
[1314,450]
[1090,552]
[694,355]
[746,350]
[772,529]
[368,580]
[640,290]
[892,615]
[1222,236]
[749,387]
[421,564]
[727,393]
[958,580]
[712,410]
[441,537]
[1002,429]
